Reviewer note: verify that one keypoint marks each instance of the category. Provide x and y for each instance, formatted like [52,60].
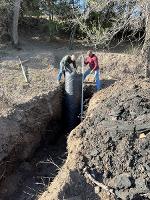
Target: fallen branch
[101,185]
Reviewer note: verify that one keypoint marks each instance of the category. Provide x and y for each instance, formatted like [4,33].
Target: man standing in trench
[92,61]
[65,64]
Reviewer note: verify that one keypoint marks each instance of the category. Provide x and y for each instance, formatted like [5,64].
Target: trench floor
[33,176]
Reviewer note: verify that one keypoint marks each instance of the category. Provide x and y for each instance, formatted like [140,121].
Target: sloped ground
[112,143]
[39,58]
[119,65]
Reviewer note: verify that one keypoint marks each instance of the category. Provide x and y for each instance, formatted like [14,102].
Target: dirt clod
[121,181]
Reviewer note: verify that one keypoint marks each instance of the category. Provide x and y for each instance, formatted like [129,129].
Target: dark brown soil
[112,143]
[113,149]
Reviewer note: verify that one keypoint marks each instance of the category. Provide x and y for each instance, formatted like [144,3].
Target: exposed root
[101,185]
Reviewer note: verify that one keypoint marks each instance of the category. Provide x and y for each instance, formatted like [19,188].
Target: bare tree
[3,19]
[16,11]
[112,17]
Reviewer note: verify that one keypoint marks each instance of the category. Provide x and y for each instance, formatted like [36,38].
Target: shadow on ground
[107,82]
[90,87]
[77,188]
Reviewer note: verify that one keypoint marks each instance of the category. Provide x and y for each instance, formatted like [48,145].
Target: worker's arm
[61,69]
[86,61]
[74,64]
[65,60]
[95,59]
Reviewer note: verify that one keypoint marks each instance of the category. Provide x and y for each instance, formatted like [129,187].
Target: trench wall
[21,129]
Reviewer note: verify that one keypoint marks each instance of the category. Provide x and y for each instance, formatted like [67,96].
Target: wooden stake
[23,71]
[82,95]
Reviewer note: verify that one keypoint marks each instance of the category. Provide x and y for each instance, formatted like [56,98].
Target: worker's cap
[73,57]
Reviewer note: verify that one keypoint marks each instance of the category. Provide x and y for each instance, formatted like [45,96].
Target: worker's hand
[58,82]
[49,66]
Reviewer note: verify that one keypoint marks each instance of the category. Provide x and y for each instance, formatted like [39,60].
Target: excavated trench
[35,147]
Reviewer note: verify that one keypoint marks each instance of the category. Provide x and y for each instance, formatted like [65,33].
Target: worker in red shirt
[92,61]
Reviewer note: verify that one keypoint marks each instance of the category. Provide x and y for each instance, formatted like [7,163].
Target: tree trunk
[16,10]
[72,35]
[146,46]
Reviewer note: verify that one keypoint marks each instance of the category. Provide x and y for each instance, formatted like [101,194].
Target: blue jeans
[98,82]
[61,71]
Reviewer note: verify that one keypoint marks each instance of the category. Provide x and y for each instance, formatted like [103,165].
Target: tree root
[101,185]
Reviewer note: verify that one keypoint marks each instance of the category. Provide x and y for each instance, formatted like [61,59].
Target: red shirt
[92,61]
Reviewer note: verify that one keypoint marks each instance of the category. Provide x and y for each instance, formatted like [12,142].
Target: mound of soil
[112,144]
[119,66]
[116,146]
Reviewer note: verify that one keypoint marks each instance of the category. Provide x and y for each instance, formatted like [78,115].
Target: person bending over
[65,64]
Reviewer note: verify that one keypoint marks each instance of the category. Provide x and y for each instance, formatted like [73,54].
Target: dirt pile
[112,144]
[120,65]
[116,146]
